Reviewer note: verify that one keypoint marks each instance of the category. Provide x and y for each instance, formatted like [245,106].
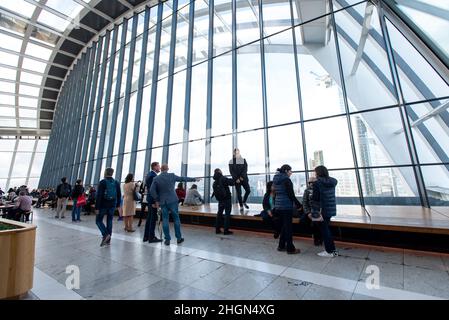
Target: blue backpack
[110,192]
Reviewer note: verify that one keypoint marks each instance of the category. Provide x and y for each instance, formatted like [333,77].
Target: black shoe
[228,232]
[318,243]
[106,240]
[281,249]
[180,240]
[154,240]
[145,239]
[296,251]
[167,242]
[276,235]
[241,209]
[217,231]
[246,206]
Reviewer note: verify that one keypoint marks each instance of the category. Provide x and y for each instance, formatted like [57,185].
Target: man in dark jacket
[285,203]
[108,199]
[223,195]
[324,203]
[238,168]
[63,192]
[150,224]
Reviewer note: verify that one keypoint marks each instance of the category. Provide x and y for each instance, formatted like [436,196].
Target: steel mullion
[107,98]
[154,85]
[118,174]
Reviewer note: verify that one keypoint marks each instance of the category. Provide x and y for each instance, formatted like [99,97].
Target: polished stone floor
[245,266]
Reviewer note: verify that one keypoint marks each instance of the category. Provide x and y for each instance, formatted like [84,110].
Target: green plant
[5,226]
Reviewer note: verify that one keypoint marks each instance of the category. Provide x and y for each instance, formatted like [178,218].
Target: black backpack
[65,190]
[219,190]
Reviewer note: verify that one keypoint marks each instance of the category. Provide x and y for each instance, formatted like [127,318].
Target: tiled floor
[208,266]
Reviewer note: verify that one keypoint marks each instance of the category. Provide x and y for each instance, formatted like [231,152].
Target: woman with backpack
[223,195]
[129,202]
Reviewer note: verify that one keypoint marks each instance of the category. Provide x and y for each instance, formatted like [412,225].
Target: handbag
[136,194]
[81,200]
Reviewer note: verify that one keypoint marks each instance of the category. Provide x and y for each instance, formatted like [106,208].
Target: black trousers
[143,207]
[238,188]
[286,222]
[150,224]
[313,227]
[226,206]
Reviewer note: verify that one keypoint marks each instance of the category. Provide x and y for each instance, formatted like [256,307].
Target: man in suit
[163,192]
[150,224]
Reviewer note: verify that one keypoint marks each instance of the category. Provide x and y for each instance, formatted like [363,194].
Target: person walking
[108,199]
[163,192]
[78,190]
[223,195]
[63,192]
[285,203]
[193,197]
[238,168]
[324,203]
[129,202]
[149,234]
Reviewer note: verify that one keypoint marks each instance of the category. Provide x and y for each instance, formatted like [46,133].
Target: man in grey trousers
[163,192]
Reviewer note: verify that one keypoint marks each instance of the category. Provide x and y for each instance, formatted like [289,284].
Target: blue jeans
[76,211]
[166,209]
[109,213]
[328,240]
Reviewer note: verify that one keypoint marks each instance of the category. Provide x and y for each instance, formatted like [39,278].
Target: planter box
[16,258]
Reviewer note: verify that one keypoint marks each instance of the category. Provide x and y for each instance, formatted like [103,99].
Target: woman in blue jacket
[324,203]
[285,203]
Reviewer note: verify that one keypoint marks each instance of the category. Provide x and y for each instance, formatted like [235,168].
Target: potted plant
[17,247]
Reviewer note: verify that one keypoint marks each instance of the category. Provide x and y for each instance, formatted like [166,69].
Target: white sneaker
[326,254]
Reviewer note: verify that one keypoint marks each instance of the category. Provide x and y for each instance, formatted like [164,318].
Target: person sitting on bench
[22,206]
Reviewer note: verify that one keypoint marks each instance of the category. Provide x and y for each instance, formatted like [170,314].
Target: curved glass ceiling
[29,34]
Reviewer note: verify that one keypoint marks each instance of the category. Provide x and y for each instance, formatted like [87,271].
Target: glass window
[379,138]
[198,102]
[53,21]
[284,151]
[436,180]
[21,6]
[140,163]
[42,146]
[182,35]
[37,165]
[249,92]
[38,51]
[26,145]
[6,158]
[248,21]
[14,44]
[9,59]
[196,159]
[221,153]
[222,26]
[346,189]
[28,90]
[34,65]
[131,119]
[419,80]
[201,35]
[30,78]
[222,95]
[28,102]
[144,119]
[252,148]
[276,16]
[389,186]
[161,106]
[175,158]
[364,60]
[21,165]
[7,73]
[328,143]
[178,106]
[282,91]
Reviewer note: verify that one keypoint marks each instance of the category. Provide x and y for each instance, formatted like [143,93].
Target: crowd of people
[158,194]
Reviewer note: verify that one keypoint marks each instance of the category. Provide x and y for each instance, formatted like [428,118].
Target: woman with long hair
[129,203]
[285,203]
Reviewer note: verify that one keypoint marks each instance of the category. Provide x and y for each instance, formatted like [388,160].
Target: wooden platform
[390,218]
